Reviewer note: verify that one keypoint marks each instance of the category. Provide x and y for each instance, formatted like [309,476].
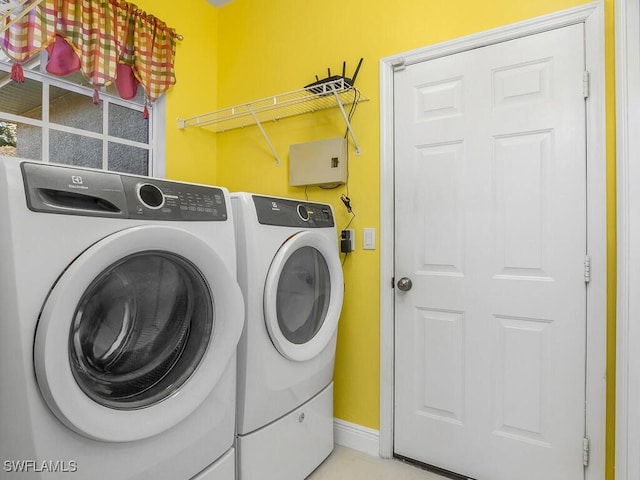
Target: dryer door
[303,295]
[136,333]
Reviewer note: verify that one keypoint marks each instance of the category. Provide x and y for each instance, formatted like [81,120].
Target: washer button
[150,195]
[303,213]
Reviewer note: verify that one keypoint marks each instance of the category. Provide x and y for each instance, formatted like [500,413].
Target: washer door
[303,295]
[136,333]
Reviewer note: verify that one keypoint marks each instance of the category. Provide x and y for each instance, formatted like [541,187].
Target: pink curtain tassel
[17,74]
[96,97]
[145,113]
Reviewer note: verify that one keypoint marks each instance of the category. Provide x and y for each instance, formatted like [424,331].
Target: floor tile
[347,464]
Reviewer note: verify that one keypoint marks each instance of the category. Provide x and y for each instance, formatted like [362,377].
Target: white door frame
[592,16]
[628,308]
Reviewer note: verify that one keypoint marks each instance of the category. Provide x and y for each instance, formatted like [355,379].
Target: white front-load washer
[290,274]
[119,326]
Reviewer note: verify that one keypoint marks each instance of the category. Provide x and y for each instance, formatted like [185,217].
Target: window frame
[157,128]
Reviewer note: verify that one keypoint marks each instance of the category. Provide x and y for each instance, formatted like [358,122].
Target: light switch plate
[369,239]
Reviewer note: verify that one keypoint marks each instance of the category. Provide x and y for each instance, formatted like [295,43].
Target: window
[53,119]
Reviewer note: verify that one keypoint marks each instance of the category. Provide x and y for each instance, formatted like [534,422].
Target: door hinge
[585,84]
[393,282]
[585,452]
[587,269]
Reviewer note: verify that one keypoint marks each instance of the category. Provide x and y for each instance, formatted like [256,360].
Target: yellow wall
[611,238]
[250,49]
[275,46]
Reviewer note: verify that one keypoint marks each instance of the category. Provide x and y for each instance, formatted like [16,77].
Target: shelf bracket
[346,121]
[264,134]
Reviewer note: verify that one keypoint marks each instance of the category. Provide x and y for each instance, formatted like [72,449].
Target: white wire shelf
[331,94]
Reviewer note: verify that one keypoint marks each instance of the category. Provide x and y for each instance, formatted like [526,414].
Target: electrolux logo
[77,183]
[45,466]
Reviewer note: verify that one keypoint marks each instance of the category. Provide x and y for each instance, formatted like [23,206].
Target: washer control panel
[161,199]
[284,212]
[78,191]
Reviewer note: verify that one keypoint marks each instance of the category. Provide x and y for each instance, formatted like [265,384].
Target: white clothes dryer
[119,325]
[290,274]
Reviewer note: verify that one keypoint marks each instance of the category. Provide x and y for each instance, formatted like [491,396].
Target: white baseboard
[357,437]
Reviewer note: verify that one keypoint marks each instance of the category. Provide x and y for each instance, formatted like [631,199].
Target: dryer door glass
[303,295]
[140,330]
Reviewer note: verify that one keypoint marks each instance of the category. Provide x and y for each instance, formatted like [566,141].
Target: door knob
[405,284]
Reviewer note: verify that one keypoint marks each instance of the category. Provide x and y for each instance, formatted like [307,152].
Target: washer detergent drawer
[291,447]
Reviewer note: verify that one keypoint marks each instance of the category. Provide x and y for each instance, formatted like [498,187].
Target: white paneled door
[490,259]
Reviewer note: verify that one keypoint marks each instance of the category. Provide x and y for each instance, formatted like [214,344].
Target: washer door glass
[303,295]
[140,330]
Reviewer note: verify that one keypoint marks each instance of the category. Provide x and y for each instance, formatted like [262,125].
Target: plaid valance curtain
[107,40]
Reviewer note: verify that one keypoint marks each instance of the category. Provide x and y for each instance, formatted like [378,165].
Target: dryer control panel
[78,191]
[292,213]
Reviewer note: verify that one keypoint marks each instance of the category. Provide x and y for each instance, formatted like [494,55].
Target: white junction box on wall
[323,162]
